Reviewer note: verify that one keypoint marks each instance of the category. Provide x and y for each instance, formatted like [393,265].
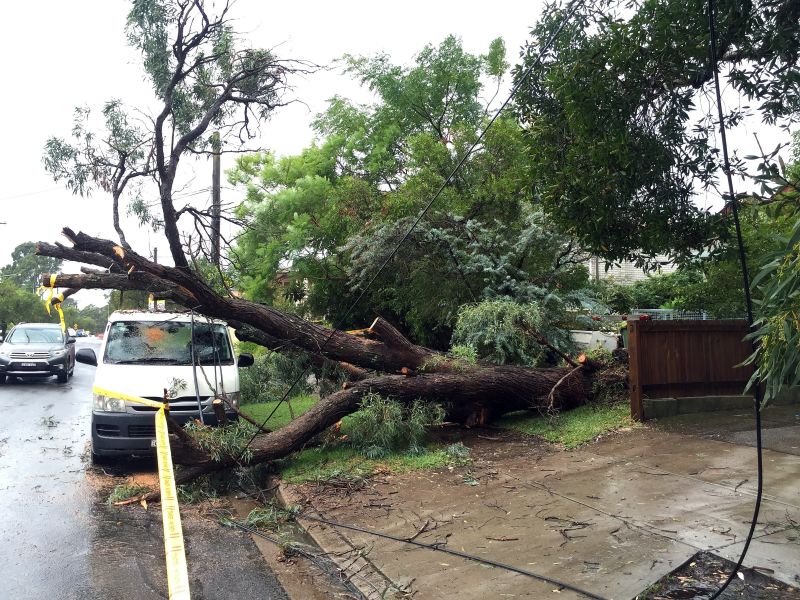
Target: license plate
[28,364]
[153,443]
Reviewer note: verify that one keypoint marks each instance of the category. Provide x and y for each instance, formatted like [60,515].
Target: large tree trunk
[471,394]
[473,397]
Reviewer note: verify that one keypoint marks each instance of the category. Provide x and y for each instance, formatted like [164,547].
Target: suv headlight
[5,351]
[106,404]
[57,353]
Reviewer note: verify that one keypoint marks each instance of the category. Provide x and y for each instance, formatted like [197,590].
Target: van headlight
[233,398]
[106,404]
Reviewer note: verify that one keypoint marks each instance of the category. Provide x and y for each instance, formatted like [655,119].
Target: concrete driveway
[59,540]
[612,517]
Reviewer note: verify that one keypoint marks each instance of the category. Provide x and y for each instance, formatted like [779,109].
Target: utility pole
[216,203]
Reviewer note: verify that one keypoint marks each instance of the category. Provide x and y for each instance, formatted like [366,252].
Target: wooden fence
[670,359]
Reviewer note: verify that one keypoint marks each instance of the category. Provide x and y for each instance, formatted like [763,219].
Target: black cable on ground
[315,559]
[440,548]
[568,13]
[745,282]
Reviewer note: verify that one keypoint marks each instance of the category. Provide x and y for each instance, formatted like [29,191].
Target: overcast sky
[59,55]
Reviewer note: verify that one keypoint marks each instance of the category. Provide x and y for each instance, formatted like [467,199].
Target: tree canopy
[324,221]
[617,125]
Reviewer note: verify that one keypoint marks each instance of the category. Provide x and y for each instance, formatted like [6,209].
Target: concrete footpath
[612,517]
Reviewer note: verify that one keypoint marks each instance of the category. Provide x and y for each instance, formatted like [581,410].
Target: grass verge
[345,462]
[573,427]
[261,410]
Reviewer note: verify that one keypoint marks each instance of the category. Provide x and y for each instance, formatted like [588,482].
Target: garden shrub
[383,426]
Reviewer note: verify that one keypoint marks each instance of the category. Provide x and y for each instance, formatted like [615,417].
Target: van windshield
[167,342]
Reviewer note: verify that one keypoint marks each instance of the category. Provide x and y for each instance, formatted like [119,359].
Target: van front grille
[107,430]
[176,405]
[142,431]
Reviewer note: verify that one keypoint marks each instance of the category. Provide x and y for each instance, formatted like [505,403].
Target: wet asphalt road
[59,540]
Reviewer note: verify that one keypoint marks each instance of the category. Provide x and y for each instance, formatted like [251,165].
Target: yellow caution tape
[57,303]
[177,573]
[51,291]
[54,300]
[135,399]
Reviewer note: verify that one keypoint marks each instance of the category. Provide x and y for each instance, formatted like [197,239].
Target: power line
[568,13]
[745,283]
[26,194]
[442,548]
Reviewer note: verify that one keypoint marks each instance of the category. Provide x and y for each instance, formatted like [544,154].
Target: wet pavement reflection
[58,537]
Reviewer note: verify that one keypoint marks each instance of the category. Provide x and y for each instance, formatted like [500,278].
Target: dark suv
[37,350]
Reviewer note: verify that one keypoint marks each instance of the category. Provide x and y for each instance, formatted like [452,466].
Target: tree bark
[473,397]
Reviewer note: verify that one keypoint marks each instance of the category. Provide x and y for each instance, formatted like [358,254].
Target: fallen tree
[203,80]
[471,394]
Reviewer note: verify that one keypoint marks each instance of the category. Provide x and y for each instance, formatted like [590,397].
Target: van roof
[157,317]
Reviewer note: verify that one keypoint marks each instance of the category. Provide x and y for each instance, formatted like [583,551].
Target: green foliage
[525,260]
[271,375]
[201,489]
[125,491]
[778,324]
[657,291]
[618,129]
[718,287]
[382,426]
[20,306]
[26,268]
[272,516]
[505,332]
[223,442]
[712,282]
[465,353]
[324,221]
[571,428]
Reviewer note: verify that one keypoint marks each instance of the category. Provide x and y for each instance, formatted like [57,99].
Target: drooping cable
[568,12]
[733,203]
[473,557]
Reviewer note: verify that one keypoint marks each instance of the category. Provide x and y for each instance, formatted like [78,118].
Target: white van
[145,353]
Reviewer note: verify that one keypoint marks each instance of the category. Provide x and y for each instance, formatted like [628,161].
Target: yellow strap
[50,290]
[177,573]
[135,399]
[61,317]
[57,303]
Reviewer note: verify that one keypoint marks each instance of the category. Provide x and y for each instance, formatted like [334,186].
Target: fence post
[634,379]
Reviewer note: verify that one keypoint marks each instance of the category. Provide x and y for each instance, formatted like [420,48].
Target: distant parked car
[37,350]
[80,333]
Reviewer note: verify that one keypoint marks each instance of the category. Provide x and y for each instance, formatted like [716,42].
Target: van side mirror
[86,356]
[246,359]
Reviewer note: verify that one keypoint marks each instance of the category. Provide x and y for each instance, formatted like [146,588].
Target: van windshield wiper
[155,360]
